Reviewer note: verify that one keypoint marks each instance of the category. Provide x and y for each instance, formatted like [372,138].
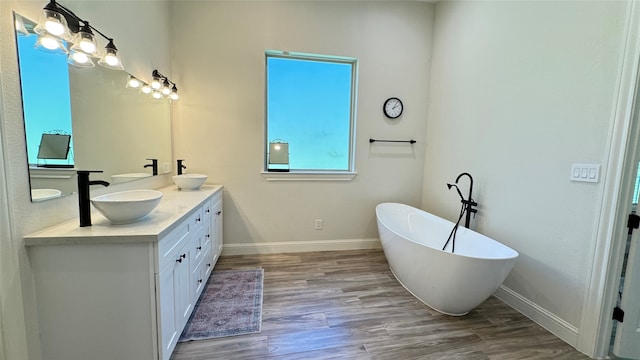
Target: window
[310,113]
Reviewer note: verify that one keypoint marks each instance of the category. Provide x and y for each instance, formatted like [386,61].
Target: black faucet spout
[468,203]
[84,205]
[180,166]
[153,166]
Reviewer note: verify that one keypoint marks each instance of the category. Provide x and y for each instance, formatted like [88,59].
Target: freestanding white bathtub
[451,283]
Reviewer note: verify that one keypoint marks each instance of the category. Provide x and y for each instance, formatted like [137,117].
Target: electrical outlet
[166,168]
[319,223]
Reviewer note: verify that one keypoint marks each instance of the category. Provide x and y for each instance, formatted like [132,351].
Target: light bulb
[49,42]
[155,84]
[81,58]
[174,96]
[156,95]
[111,59]
[133,82]
[87,46]
[54,27]
[146,89]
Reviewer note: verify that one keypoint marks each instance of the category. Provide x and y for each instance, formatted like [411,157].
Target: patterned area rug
[231,304]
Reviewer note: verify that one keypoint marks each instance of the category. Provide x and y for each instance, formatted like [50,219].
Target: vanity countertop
[173,207]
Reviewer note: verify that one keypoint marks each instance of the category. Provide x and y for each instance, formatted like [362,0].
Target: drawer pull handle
[200,281]
[207,211]
[208,236]
[198,219]
[209,265]
[179,260]
[219,212]
[199,248]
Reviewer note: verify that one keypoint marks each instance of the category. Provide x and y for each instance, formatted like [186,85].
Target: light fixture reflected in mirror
[50,43]
[174,93]
[133,82]
[80,59]
[160,87]
[111,59]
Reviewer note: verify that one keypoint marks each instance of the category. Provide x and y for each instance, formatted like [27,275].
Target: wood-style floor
[348,305]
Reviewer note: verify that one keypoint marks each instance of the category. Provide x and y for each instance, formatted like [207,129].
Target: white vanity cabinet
[127,291]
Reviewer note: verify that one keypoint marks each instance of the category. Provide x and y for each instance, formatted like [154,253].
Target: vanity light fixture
[159,88]
[162,86]
[80,59]
[53,21]
[85,41]
[62,24]
[51,43]
[166,87]
[156,83]
[111,59]
[174,93]
[133,82]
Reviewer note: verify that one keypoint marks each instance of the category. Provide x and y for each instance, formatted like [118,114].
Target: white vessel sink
[45,194]
[125,207]
[189,181]
[120,178]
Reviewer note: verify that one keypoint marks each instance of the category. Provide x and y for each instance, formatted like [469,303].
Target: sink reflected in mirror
[189,181]
[111,127]
[126,207]
[45,194]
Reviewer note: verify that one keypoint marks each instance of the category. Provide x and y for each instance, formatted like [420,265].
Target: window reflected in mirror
[85,118]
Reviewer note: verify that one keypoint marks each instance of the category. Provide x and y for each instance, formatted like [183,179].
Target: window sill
[308,176]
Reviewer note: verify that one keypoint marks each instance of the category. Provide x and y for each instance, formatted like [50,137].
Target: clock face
[392,108]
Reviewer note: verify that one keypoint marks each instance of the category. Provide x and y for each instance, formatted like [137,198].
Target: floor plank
[348,305]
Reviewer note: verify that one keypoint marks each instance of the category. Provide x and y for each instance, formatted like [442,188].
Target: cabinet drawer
[196,218]
[200,274]
[170,245]
[198,247]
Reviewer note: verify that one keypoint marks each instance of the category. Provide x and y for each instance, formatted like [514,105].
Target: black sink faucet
[84,206]
[180,166]
[468,203]
[153,166]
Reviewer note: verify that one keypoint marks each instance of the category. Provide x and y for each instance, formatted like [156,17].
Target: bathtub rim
[515,254]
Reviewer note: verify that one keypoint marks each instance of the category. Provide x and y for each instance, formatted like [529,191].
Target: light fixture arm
[73,20]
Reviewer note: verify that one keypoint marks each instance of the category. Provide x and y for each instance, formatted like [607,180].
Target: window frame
[313,174]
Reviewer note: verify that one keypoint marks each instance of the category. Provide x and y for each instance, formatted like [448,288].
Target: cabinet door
[182,287]
[217,228]
[169,333]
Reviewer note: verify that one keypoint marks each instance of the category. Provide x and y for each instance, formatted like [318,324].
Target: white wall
[143,48]
[218,61]
[519,92]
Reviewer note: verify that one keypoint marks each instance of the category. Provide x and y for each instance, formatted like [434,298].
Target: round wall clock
[392,108]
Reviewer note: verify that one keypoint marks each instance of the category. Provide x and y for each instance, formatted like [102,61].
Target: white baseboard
[558,327]
[300,246]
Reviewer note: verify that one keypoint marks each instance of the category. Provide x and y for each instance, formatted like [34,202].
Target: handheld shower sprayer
[457,189]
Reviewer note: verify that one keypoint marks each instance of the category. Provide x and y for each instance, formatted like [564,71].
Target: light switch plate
[585,173]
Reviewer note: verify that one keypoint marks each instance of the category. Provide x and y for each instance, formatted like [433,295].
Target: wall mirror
[85,119]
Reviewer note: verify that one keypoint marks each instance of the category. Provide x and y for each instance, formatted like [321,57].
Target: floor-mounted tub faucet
[153,166]
[467,203]
[84,205]
[180,166]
